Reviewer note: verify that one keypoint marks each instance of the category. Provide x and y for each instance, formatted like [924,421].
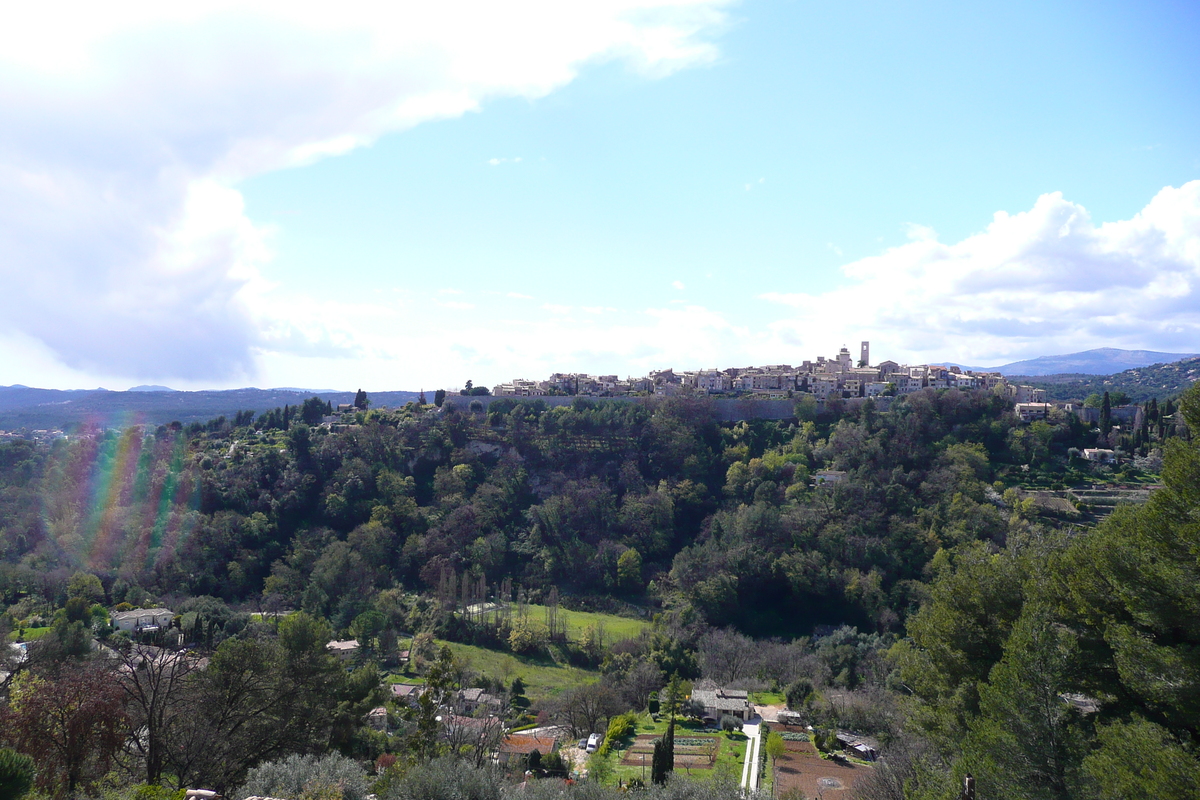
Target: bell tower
[865,358]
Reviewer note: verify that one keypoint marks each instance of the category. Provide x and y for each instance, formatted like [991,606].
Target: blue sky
[693,184]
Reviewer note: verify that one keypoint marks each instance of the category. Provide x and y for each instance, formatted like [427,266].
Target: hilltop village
[824,378]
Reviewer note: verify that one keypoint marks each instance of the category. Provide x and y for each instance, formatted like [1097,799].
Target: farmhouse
[718,701]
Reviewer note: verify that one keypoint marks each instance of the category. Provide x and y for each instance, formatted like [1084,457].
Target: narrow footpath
[750,772]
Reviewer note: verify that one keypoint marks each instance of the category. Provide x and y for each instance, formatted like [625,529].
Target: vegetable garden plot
[694,752]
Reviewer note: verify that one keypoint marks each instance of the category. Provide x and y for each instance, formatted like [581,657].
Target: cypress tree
[658,763]
[673,698]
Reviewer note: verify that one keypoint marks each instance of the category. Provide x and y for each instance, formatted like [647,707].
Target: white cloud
[498,161]
[1047,280]
[919,233]
[124,131]
[678,285]
[1043,281]
[531,346]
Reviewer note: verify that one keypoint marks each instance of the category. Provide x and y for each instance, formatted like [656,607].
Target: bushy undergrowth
[308,778]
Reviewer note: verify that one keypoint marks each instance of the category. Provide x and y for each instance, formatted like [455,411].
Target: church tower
[843,358]
[865,358]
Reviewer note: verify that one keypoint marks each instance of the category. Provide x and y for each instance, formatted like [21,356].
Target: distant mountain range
[1141,374]
[24,407]
[1101,361]
[1142,383]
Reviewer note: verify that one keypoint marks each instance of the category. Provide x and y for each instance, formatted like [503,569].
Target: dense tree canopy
[1068,666]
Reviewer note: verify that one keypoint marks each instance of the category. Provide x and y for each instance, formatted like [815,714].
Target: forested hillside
[601,500]
[1066,667]
[893,574]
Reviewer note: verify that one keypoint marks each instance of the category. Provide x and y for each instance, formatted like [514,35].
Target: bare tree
[727,656]
[642,680]
[552,617]
[473,738]
[584,709]
[152,679]
[779,662]
[903,769]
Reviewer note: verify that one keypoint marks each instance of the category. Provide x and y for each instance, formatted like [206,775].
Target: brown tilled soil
[803,768]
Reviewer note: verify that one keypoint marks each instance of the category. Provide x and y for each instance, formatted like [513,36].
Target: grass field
[767,698]
[396,677]
[543,678]
[615,628]
[31,634]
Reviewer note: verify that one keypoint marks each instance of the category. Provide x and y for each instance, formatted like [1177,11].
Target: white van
[594,742]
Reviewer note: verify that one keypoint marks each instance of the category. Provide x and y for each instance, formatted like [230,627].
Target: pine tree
[16,774]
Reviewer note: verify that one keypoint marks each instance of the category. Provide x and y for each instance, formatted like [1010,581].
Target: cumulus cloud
[562,338]
[124,131]
[1047,280]
[1042,281]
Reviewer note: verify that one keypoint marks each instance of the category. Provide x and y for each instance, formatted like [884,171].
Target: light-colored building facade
[142,619]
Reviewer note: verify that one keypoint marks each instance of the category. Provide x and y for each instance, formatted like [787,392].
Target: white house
[828,476]
[345,649]
[1028,412]
[142,619]
[1100,455]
